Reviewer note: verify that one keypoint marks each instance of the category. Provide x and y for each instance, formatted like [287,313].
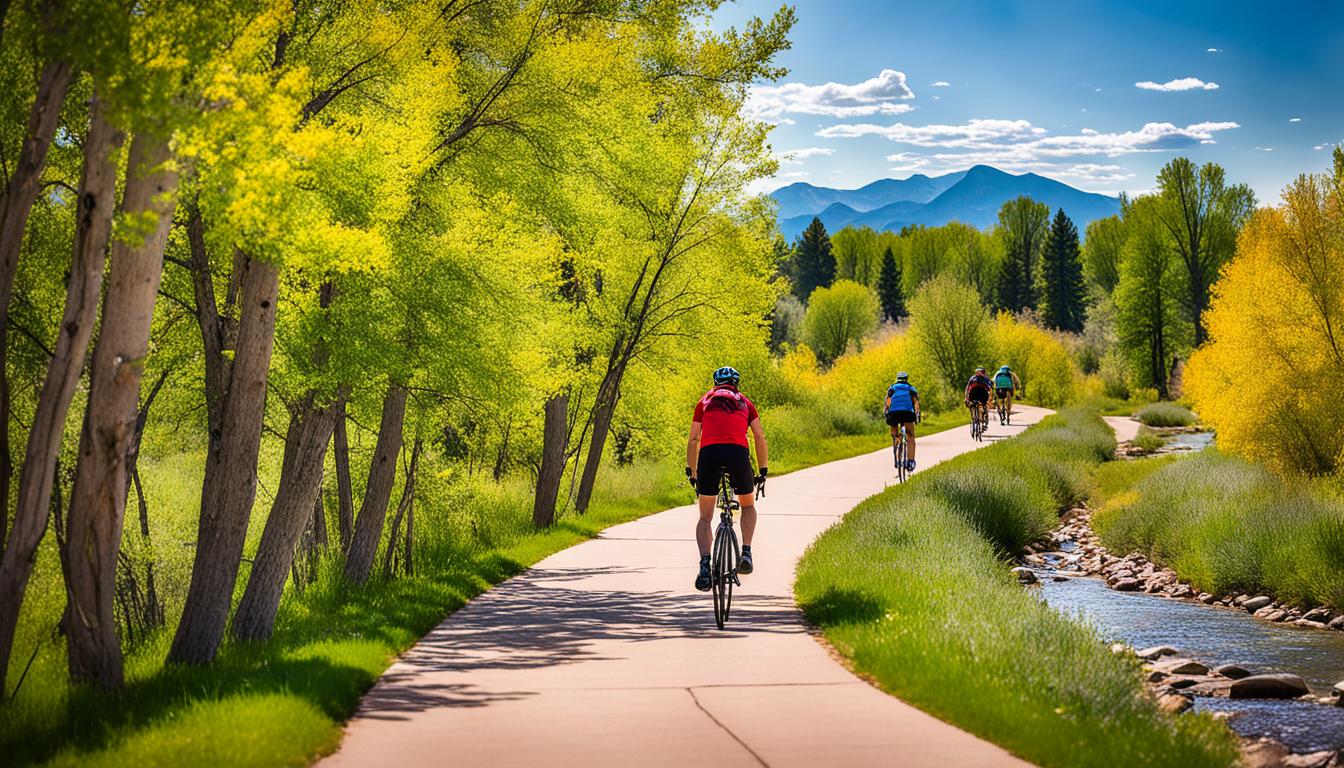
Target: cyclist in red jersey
[717,446]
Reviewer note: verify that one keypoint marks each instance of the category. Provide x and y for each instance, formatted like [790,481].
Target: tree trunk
[345,496]
[230,473]
[403,508]
[98,500]
[603,410]
[410,537]
[300,490]
[93,225]
[382,476]
[554,443]
[20,192]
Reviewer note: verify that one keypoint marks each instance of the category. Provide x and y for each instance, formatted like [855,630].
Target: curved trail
[604,654]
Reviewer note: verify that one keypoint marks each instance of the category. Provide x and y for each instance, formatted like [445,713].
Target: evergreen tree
[889,288]
[1023,223]
[1062,277]
[813,261]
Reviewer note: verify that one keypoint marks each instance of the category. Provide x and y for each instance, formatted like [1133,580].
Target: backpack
[723,401]
[1003,380]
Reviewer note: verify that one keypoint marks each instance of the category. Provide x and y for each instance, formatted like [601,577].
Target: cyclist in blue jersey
[902,407]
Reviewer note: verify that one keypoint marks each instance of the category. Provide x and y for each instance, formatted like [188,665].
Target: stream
[1217,636]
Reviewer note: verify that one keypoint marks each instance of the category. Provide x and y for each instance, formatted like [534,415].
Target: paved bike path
[604,654]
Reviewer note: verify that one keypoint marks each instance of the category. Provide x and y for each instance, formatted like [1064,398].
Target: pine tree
[1062,277]
[889,288]
[814,263]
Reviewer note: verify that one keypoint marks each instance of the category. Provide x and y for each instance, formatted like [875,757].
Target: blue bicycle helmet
[727,375]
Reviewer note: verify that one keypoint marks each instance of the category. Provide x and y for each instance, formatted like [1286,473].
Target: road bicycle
[979,420]
[726,553]
[899,442]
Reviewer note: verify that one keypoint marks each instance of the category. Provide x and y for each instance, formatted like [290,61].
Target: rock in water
[1278,686]
[1126,585]
[1232,671]
[1148,654]
[1024,575]
[1181,667]
[1173,703]
[1256,603]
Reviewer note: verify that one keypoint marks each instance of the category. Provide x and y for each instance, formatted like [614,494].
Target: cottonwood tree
[1150,325]
[839,316]
[950,323]
[1102,251]
[1200,214]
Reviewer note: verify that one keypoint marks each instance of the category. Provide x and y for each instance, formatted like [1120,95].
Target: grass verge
[282,702]
[1226,525]
[913,588]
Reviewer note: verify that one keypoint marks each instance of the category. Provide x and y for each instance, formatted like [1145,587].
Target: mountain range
[972,196]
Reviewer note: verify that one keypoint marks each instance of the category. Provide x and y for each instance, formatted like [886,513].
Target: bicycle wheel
[732,553]
[900,457]
[722,568]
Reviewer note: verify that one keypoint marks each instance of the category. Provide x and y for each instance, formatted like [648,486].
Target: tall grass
[1164,414]
[1227,525]
[913,587]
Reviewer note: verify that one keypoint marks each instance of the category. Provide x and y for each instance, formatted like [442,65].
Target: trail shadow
[842,606]
[547,618]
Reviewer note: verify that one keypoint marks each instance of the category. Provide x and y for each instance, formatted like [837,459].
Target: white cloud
[875,96]
[1180,84]
[1319,147]
[941,84]
[1096,90]
[1294,119]
[1265,149]
[1020,141]
[1214,50]
[797,156]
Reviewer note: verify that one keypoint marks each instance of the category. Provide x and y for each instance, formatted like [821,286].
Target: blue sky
[1098,95]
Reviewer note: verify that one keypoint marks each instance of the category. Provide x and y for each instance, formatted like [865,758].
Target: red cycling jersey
[724,415]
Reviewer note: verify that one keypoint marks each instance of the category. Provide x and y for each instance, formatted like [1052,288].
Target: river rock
[1181,667]
[1207,599]
[1173,703]
[1265,753]
[1024,575]
[1311,760]
[1321,614]
[1338,690]
[1126,585]
[1278,615]
[1337,622]
[1158,651]
[1233,671]
[1240,600]
[1277,686]
[1256,603]
[1304,622]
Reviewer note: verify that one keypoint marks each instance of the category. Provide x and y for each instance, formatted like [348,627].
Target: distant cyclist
[977,394]
[902,407]
[718,446]
[1006,384]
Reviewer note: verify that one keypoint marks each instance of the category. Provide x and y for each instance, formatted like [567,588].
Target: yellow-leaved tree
[1275,324]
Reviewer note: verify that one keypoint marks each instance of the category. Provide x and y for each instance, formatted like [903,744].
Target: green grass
[1227,525]
[282,702]
[1165,415]
[913,588]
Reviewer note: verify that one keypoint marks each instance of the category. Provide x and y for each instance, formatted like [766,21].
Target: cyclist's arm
[693,446]
[886,405]
[915,399]
[762,451]
[1017,385]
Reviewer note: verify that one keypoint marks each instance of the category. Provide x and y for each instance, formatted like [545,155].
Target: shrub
[1228,525]
[948,321]
[839,316]
[1147,440]
[1039,358]
[1163,414]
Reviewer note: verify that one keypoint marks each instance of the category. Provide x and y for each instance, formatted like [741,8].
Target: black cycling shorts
[1003,392]
[720,458]
[900,417]
[978,396]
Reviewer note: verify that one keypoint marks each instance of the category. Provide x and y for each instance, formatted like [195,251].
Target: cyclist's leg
[709,467]
[910,441]
[704,526]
